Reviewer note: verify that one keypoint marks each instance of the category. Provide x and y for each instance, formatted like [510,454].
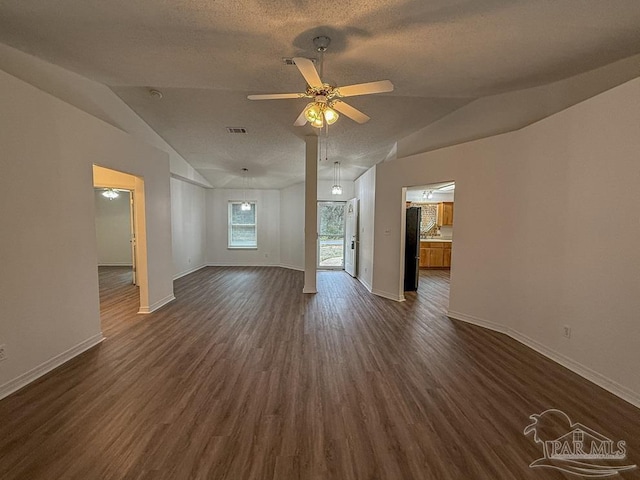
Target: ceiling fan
[326,100]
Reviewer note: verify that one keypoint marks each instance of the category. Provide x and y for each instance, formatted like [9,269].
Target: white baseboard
[35,373]
[291,267]
[366,285]
[216,264]
[159,304]
[478,321]
[599,379]
[389,295]
[187,272]
[115,265]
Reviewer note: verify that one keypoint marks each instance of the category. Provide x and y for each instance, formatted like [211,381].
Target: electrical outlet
[3,353]
[566,331]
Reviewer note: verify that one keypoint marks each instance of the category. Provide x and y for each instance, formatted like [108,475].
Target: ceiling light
[330,115]
[336,189]
[319,112]
[245,206]
[427,195]
[110,193]
[313,112]
[447,188]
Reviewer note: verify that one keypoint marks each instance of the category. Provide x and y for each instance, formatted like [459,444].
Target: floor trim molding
[366,285]
[187,272]
[389,295]
[26,378]
[597,378]
[159,304]
[291,267]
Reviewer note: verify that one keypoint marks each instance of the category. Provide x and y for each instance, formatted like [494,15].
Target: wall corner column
[310,214]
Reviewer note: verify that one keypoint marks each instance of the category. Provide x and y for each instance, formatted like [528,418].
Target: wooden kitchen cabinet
[424,255]
[435,254]
[447,257]
[445,214]
[436,257]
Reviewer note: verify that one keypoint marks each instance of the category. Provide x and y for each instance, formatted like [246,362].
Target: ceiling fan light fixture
[318,122]
[330,115]
[313,112]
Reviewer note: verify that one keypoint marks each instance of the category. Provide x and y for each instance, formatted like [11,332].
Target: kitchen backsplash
[428,226]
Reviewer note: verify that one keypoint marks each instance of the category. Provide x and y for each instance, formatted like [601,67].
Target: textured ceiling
[206,56]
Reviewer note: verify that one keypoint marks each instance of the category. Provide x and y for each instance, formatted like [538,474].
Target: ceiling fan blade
[366,88]
[301,120]
[308,71]
[353,113]
[275,96]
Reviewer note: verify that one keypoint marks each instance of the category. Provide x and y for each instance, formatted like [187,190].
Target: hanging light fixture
[110,193]
[427,195]
[337,188]
[319,112]
[245,206]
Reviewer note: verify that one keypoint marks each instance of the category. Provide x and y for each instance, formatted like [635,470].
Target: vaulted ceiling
[207,56]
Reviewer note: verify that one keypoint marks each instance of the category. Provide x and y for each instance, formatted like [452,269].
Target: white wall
[292,227]
[268,219]
[188,226]
[49,305]
[535,248]
[365,191]
[113,229]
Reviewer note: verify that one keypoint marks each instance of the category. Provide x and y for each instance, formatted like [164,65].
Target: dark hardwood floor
[243,377]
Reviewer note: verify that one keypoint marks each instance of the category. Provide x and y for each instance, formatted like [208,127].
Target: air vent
[289,60]
[236,130]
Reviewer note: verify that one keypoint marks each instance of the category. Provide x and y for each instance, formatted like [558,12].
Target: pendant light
[337,188]
[245,206]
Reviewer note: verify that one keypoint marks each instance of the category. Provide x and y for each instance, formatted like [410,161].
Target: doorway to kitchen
[331,231]
[428,236]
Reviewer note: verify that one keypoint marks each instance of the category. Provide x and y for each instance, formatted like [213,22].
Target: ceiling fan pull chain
[326,142]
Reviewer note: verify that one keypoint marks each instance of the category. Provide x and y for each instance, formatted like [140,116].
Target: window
[242,226]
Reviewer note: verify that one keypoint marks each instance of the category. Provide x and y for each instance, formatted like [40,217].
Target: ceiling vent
[236,130]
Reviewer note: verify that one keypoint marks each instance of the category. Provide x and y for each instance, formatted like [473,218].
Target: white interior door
[351,237]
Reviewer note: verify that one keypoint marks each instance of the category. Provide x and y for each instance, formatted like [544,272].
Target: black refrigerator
[412,250]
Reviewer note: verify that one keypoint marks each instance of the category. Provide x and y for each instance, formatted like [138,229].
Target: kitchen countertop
[447,240]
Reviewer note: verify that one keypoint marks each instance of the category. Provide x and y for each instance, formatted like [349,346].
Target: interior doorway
[429,237]
[120,239]
[331,235]
[115,232]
